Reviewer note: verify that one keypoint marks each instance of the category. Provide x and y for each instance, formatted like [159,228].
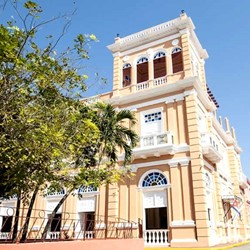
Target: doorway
[156,218]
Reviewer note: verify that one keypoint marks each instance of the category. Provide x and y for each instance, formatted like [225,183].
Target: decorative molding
[185,31]
[169,99]
[154,188]
[208,165]
[154,33]
[149,45]
[182,223]
[175,98]
[180,85]
[117,54]
[175,42]
[172,163]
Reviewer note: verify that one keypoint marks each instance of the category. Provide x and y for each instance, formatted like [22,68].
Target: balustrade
[156,139]
[156,237]
[160,81]
[142,85]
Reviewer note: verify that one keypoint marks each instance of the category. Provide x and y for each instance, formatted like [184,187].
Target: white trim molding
[182,223]
[172,163]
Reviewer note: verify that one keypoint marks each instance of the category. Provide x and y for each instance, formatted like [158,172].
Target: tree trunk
[27,220]
[47,226]
[15,227]
[106,210]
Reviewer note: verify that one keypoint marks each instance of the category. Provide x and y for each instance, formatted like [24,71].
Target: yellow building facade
[188,188]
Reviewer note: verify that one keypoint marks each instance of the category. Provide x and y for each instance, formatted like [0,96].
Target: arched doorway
[153,185]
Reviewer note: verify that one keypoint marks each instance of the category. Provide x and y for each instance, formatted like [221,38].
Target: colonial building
[188,187]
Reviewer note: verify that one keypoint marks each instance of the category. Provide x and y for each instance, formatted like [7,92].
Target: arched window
[86,189]
[142,70]
[177,61]
[154,179]
[160,65]
[126,75]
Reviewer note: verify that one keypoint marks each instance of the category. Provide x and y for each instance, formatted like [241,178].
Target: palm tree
[115,134]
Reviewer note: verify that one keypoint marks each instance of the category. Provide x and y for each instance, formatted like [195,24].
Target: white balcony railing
[54,235]
[157,237]
[211,147]
[5,235]
[156,139]
[160,81]
[155,145]
[142,85]
[151,83]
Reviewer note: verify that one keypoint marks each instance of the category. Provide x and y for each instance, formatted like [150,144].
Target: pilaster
[169,67]
[187,67]
[116,75]
[150,69]
[197,171]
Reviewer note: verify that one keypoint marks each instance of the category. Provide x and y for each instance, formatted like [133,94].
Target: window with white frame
[86,189]
[55,192]
[151,122]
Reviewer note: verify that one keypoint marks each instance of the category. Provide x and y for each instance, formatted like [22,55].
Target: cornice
[180,85]
[196,43]
[227,138]
[154,33]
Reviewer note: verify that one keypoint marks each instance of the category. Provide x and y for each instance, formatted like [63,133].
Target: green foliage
[41,122]
[116,133]
[45,132]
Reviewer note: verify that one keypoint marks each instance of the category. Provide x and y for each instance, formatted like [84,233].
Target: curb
[199,248]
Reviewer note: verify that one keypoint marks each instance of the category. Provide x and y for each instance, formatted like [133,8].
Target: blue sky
[222,27]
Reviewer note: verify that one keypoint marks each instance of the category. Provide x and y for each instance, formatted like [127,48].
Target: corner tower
[159,55]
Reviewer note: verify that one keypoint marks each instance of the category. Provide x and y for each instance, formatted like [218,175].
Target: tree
[40,118]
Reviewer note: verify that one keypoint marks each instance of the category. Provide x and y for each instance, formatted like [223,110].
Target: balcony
[155,145]
[211,147]
[243,180]
[149,84]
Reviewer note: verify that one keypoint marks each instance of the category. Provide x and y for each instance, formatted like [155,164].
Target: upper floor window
[152,117]
[142,70]
[151,122]
[86,189]
[53,192]
[154,179]
[177,60]
[160,65]
[126,75]
[208,181]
